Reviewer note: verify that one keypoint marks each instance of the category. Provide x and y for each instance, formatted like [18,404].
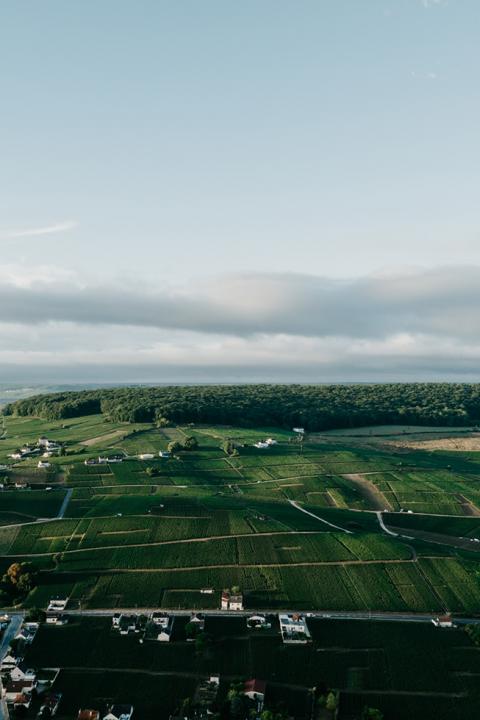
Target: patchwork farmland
[333,522]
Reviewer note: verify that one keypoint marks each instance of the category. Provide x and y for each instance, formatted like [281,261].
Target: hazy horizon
[201,192]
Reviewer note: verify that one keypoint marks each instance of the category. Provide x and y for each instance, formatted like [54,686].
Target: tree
[14,572]
[174,446]
[36,615]
[190,443]
[331,703]
[163,422]
[152,471]
[228,447]
[25,583]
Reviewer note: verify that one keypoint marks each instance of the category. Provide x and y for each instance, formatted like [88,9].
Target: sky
[274,190]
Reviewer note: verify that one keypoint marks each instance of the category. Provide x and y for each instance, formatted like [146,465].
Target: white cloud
[424,75]
[43,230]
[433,3]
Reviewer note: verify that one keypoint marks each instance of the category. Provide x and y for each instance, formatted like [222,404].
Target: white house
[57,604]
[231,601]
[9,662]
[20,672]
[43,464]
[294,628]
[271,441]
[262,445]
[164,454]
[164,625]
[443,621]
[300,431]
[146,456]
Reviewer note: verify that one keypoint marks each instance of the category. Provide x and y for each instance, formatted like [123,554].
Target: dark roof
[254,685]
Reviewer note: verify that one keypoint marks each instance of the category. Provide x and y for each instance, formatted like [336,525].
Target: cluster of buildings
[231,600]
[44,447]
[157,626]
[18,681]
[104,460]
[204,703]
[108,459]
[265,444]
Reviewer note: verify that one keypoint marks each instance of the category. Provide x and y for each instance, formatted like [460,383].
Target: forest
[314,407]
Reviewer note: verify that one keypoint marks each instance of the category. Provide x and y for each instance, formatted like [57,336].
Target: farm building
[231,601]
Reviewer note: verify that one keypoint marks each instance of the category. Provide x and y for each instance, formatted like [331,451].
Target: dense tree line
[315,407]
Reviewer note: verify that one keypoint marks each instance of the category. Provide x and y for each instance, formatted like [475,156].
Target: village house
[119,712]
[50,705]
[262,445]
[127,624]
[231,601]
[27,632]
[271,441]
[146,456]
[255,690]
[86,714]
[9,662]
[21,673]
[22,701]
[294,628]
[443,621]
[299,430]
[161,627]
[57,604]
[198,619]
[15,688]
[164,454]
[205,696]
[258,622]
[43,464]
[54,618]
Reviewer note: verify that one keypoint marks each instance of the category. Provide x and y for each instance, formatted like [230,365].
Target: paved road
[321,614]
[307,512]
[16,620]
[66,500]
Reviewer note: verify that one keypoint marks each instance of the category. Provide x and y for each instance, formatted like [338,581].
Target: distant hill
[315,407]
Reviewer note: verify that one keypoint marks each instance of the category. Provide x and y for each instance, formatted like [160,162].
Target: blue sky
[193,150]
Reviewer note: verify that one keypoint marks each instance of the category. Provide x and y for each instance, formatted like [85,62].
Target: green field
[156,532]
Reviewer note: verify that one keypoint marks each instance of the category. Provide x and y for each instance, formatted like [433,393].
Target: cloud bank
[418,323]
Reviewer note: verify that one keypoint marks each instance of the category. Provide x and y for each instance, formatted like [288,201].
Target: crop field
[399,665]
[294,525]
